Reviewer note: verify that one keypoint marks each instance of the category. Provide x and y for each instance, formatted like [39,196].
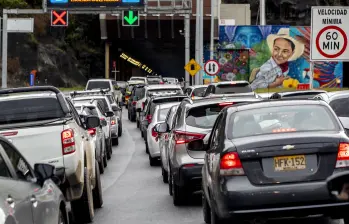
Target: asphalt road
[135,194]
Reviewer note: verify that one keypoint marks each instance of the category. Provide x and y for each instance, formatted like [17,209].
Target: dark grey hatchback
[271,159]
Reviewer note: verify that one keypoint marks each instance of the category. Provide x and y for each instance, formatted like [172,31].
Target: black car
[146,115]
[271,159]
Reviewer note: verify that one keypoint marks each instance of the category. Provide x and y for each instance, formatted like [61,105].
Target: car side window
[75,114]
[4,171]
[22,168]
[215,132]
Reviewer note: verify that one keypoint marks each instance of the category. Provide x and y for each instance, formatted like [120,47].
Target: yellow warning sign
[192,67]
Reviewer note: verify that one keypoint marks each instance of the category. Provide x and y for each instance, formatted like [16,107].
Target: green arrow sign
[130,18]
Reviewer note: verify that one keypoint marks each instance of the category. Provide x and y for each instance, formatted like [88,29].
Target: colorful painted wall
[264,55]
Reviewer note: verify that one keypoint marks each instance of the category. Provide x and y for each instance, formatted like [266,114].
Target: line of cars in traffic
[53,149]
[253,156]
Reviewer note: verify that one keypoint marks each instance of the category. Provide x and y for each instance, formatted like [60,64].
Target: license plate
[289,163]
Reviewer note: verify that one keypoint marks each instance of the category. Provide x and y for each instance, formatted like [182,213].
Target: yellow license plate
[290,163]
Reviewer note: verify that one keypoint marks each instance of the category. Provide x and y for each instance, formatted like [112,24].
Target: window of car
[203,116]
[29,109]
[198,91]
[162,114]
[274,120]
[139,92]
[233,88]
[4,171]
[164,91]
[22,168]
[340,107]
[98,85]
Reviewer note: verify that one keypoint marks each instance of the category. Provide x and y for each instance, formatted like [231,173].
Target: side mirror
[109,113]
[44,172]
[92,122]
[197,145]
[338,186]
[162,127]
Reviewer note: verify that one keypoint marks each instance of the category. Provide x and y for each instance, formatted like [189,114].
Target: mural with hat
[277,56]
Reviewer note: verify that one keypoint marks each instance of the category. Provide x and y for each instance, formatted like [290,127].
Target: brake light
[92,131]
[280,130]
[230,165]
[192,96]
[10,133]
[161,82]
[343,155]
[154,133]
[68,141]
[134,103]
[149,117]
[226,104]
[182,137]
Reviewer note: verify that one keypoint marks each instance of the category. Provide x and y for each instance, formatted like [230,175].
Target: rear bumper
[190,177]
[238,197]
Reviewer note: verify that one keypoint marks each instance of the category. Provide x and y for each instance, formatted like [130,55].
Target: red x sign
[59,18]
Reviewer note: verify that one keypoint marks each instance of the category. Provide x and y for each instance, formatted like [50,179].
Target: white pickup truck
[46,128]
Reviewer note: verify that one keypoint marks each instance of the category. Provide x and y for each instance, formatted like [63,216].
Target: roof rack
[90,92]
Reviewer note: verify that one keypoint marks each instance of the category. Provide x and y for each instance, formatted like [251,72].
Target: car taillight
[183,137]
[92,131]
[134,103]
[230,165]
[149,118]
[154,133]
[192,96]
[161,82]
[225,104]
[343,155]
[68,141]
[113,122]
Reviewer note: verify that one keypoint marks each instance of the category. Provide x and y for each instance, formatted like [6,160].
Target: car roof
[137,77]
[207,101]
[279,103]
[169,96]
[300,92]
[100,80]
[335,94]
[89,97]
[27,95]
[84,105]
[197,86]
[164,86]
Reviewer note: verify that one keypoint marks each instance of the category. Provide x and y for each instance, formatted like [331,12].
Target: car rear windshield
[164,91]
[233,88]
[98,85]
[103,100]
[140,92]
[203,116]
[162,114]
[91,111]
[30,109]
[340,107]
[285,119]
[199,91]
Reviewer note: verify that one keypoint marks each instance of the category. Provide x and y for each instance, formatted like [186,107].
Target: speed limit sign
[329,40]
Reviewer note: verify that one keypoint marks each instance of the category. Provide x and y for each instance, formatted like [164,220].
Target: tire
[146,148]
[152,161]
[115,141]
[120,129]
[138,124]
[83,208]
[142,133]
[170,184]
[97,191]
[108,151]
[61,218]
[105,160]
[101,165]
[164,175]
[206,209]
[178,194]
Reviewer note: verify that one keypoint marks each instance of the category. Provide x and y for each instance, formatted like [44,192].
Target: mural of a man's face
[282,50]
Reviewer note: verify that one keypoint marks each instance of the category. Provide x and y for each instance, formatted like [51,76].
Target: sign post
[329,35]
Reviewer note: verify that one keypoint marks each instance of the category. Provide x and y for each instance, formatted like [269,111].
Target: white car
[196,91]
[139,78]
[94,84]
[159,115]
[46,128]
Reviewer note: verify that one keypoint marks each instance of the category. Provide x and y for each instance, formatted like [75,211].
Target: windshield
[233,88]
[98,85]
[203,116]
[281,119]
[199,91]
[163,113]
[164,91]
[30,109]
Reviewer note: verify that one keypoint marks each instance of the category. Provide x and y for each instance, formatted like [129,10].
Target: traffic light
[59,18]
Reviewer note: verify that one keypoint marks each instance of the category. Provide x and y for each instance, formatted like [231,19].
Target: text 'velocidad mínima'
[332,12]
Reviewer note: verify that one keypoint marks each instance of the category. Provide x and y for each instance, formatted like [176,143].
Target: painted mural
[272,56]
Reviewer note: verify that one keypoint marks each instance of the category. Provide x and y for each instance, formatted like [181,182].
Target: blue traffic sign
[58,1]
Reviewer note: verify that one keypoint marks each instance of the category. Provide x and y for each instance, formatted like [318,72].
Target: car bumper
[154,149]
[238,197]
[189,177]
[114,131]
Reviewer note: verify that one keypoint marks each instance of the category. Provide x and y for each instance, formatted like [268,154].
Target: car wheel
[101,165]
[83,208]
[164,175]
[105,160]
[120,129]
[61,219]
[115,141]
[178,194]
[146,148]
[170,184]
[142,133]
[138,124]
[206,209]
[152,161]
[108,151]
[97,191]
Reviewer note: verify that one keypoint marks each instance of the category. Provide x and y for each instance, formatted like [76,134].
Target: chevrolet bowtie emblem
[288,147]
